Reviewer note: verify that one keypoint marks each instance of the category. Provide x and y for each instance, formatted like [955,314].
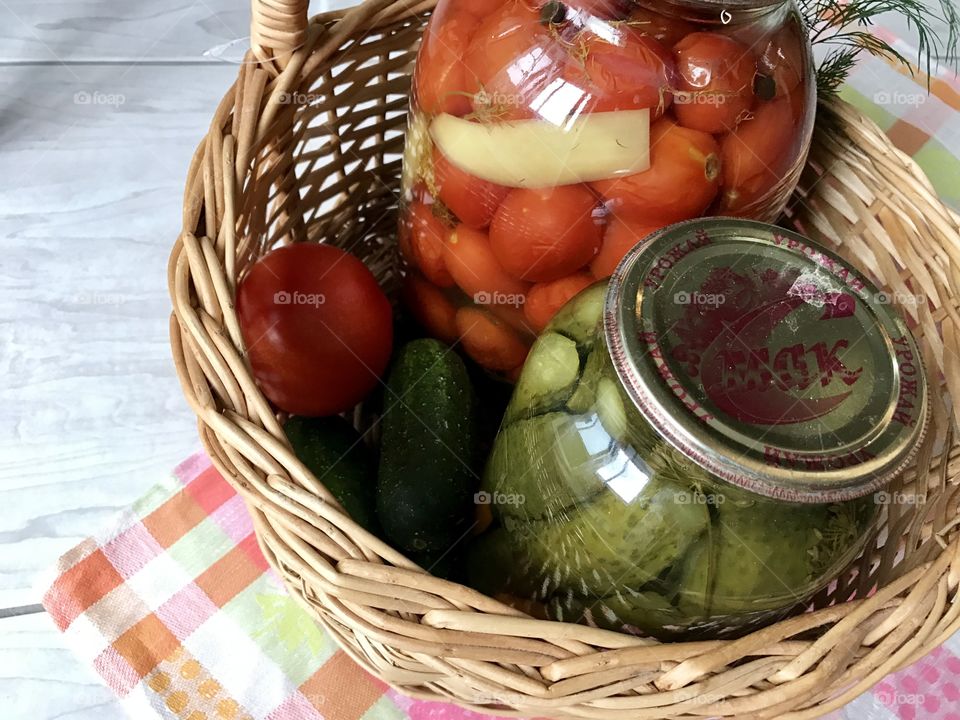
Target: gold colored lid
[767,360]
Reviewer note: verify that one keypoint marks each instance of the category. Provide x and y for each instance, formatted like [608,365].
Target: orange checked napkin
[177,610]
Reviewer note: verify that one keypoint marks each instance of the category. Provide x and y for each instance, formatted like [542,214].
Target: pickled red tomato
[545,234]
[603,9]
[716,75]
[427,236]
[430,307]
[682,182]
[476,270]
[620,238]
[471,199]
[760,152]
[544,300]
[440,80]
[784,60]
[666,30]
[479,8]
[513,60]
[490,341]
[626,71]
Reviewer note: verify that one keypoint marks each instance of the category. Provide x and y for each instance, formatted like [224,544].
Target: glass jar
[547,138]
[697,446]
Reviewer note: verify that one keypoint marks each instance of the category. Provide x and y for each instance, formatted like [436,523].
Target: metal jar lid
[767,360]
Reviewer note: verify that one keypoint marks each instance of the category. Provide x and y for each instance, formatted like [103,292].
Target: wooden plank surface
[91,413]
[41,680]
[136,30]
[113,31]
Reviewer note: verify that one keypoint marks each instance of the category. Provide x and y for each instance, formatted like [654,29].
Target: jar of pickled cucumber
[546,138]
[700,445]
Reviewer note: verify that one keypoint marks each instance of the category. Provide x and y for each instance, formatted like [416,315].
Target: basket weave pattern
[306,145]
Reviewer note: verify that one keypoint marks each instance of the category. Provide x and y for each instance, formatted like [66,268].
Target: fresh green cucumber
[428,449]
[337,456]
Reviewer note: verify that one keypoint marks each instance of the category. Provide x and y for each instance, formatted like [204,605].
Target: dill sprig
[844,25]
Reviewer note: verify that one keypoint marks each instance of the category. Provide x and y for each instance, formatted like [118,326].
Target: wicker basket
[306,145]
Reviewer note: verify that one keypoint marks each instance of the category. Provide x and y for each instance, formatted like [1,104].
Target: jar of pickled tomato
[699,445]
[546,138]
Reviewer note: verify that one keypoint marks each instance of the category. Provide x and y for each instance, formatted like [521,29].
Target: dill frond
[845,27]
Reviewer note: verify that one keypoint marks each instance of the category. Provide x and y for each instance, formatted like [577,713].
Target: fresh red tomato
[682,181]
[784,61]
[666,30]
[545,299]
[317,327]
[439,80]
[620,238]
[626,71]
[758,155]
[716,82]
[543,235]
[472,200]
[516,64]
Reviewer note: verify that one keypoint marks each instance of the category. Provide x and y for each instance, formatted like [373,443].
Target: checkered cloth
[177,610]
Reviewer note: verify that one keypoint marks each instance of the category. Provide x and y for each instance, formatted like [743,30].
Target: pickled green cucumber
[757,558]
[496,563]
[584,398]
[672,465]
[546,464]
[611,409]
[645,611]
[625,537]
[627,611]
[599,392]
[548,379]
[580,318]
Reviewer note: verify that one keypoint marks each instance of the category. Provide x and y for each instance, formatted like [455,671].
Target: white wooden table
[101,105]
